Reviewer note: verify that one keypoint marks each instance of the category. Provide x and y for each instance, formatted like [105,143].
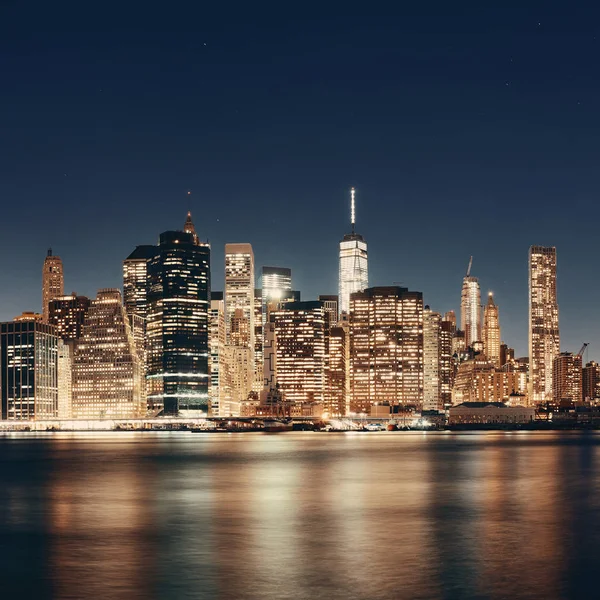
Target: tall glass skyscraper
[544,337]
[353,275]
[275,283]
[177,327]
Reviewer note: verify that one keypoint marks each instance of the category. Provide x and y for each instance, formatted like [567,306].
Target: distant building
[335,399]
[67,314]
[447,363]
[177,325]
[239,286]
[107,380]
[567,377]
[490,413]
[386,348]
[276,283]
[432,388]
[331,305]
[354,273]
[302,341]
[544,337]
[217,338]
[506,354]
[491,331]
[53,281]
[29,316]
[66,351]
[591,381]
[28,370]
[470,309]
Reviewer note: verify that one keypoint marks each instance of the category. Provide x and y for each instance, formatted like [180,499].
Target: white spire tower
[353,275]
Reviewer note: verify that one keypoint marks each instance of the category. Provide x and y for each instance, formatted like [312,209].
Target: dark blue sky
[471,131]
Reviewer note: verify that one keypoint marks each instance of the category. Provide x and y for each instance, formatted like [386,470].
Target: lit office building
[302,332]
[237,378]
[257,386]
[470,309]
[67,314]
[544,338]
[276,282]
[65,379]
[331,305]
[491,331]
[29,316]
[28,370]
[353,275]
[506,354]
[591,381]
[177,347]
[386,348]
[567,377]
[106,371]
[53,281]
[432,325]
[521,369]
[477,380]
[450,316]
[447,363]
[217,347]
[337,383]
[239,285]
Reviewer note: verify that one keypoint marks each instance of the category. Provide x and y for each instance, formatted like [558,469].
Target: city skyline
[456,131]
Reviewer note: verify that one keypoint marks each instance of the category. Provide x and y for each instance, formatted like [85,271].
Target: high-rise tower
[239,286]
[53,281]
[544,338]
[470,308]
[491,331]
[178,322]
[353,276]
[432,331]
[276,282]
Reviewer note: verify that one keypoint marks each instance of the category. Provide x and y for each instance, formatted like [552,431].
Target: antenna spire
[352,208]
[469,267]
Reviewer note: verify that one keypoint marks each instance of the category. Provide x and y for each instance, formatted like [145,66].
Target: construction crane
[469,267]
[583,349]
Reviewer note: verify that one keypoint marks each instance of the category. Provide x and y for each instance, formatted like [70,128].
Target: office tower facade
[336,396]
[470,308]
[302,341]
[177,350]
[450,316]
[506,354]
[67,314]
[447,363]
[217,340]
[107,379]
[135,281]
[478,380]
[432,382]
[386,348]
[66,350]
[567,377]
[353,273]
[491,331]
[276,283]
[591,381]
[544,338]
[53,281]
[331,304]
[257,386]
[28,370]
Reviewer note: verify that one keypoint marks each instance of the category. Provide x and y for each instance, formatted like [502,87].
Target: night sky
[471,132]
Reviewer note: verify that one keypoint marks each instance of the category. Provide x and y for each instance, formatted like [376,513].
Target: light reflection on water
[300,515]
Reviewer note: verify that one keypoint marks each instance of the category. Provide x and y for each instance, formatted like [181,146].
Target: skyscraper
[189,227]
[336,396]
[353,275]
[432,325]
[177,325]
[491,331]
[331,304]
[470,308]
[567,377]
[386,348]
[544,338]
[239,286]
[591,381]
[28,370]
[302,332]
[67,314]
[53,281]
[276,282]
[217,349]
[106,371]
[447,363]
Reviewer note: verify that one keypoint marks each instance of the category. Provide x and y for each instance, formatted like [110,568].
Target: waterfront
[300,515]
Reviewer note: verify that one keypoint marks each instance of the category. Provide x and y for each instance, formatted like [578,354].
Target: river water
[300,515]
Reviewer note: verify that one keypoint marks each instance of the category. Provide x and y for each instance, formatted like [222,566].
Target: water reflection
[315,516]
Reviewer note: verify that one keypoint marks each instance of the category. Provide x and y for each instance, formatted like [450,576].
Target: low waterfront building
[490,413]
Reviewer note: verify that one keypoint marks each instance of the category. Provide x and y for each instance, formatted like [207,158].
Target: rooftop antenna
[49,251]
[352,208]
[469,267]
[189,201]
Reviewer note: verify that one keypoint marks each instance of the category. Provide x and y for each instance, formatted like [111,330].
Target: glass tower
[470,310]
[177,325]
[353,275]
